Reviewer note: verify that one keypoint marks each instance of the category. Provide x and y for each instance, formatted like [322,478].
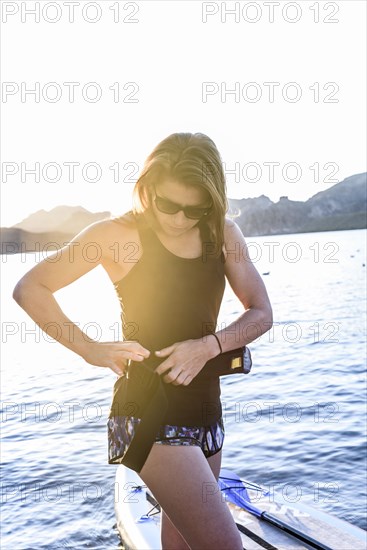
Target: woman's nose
[180,218]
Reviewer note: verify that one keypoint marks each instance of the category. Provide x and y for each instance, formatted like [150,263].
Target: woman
[175,250]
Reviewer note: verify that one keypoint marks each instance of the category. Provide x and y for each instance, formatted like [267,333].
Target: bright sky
[295,124]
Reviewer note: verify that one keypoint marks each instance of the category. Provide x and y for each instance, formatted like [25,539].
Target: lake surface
[296,423]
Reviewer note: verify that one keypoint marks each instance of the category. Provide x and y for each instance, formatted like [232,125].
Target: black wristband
[217,339]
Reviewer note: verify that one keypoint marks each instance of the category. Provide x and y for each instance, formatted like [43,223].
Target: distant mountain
[47,230]
[342,206]
[67,219]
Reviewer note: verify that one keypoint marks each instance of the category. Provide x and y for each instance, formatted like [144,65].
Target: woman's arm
[249,288]
[34,293]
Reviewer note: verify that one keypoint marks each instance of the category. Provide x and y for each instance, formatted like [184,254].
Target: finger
[142,351]
[187,381]
[137,348]
[165,351]
[133,356]
[179,381]
[130,355]
[176,376]
[164,367]
[171,377]
[117,370]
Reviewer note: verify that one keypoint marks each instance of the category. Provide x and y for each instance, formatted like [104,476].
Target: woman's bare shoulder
[231,229]
[228,223]
[118,238]
[128,218]
[116,227]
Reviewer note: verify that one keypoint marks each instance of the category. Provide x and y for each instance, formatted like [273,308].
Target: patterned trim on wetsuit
[209,438]
[121,430]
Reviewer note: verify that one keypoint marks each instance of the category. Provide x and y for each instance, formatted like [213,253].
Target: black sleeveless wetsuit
[166,299]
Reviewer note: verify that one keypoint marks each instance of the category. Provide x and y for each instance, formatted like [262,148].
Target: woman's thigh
[184,484]
[171,537]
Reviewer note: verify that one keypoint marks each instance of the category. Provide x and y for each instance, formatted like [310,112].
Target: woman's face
[181,195]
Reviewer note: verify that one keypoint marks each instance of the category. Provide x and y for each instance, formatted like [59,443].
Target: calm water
[297,422]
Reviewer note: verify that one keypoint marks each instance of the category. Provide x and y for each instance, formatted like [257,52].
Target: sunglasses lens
[168,207]
[195,213]
[165,206]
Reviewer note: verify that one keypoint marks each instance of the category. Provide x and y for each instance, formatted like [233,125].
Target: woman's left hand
[185,360]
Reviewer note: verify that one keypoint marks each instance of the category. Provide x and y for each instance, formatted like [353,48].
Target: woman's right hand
[114,355]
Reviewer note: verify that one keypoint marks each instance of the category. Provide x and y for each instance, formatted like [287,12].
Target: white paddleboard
[300,527]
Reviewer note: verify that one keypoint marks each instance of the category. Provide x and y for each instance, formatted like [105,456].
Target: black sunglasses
[168,207]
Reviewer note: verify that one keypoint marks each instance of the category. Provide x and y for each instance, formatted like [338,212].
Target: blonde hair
[190,159]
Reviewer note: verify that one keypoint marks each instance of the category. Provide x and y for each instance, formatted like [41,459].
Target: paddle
[238,495]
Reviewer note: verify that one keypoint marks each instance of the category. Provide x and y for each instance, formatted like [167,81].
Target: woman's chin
[174,230]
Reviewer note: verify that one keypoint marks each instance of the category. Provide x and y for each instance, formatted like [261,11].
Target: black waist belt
[235,361]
